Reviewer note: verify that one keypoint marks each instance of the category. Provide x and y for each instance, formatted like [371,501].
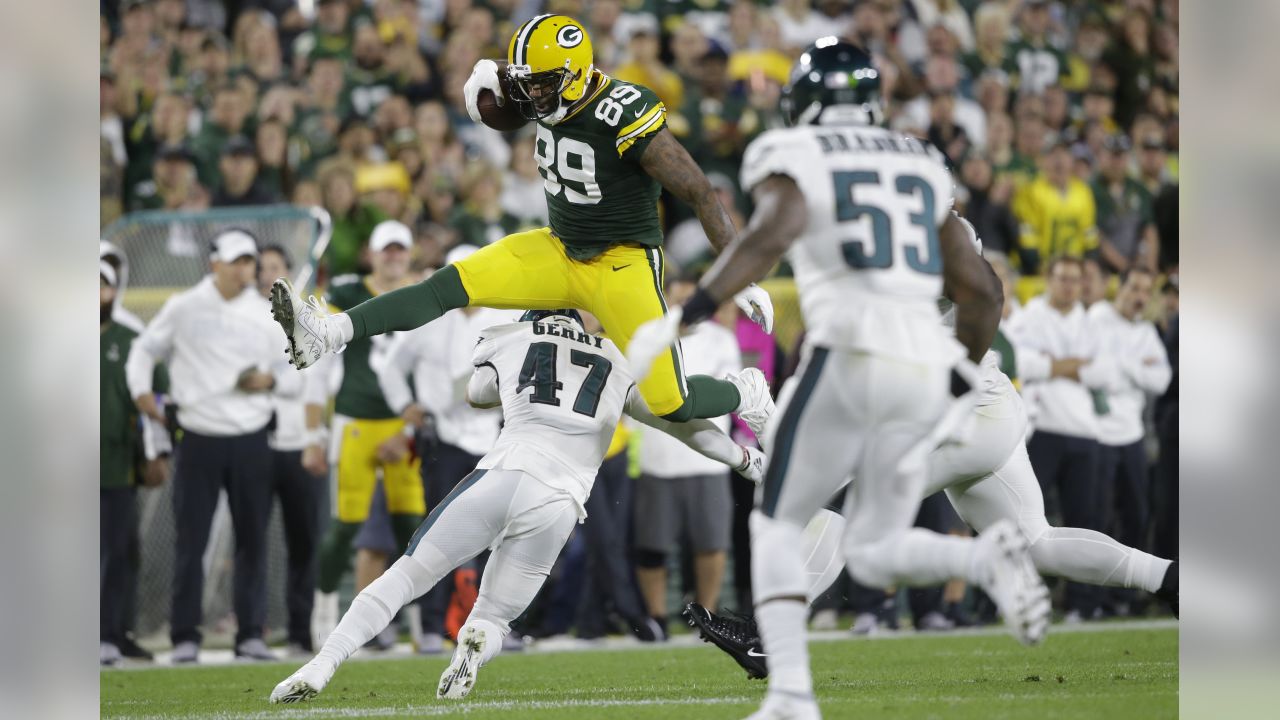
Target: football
[505,117]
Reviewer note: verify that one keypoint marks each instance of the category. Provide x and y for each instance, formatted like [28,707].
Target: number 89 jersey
[563,392]
[597,193]
[868,264]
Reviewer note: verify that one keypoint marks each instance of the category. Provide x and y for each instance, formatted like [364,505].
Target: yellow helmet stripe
[519,55]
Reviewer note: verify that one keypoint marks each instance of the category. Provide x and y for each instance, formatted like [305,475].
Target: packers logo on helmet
[549,63]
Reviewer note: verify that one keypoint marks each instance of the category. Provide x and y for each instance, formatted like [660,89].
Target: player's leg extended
[626,292]
[813,452]
[515,572]
[524,270]
[881,546]
[458,529]
[1012,492]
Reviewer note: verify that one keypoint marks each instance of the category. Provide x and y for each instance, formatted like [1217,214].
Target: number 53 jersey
[562,391]
[868,264]
[597,193]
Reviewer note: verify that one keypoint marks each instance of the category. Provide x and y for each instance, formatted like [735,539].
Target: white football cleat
[458,679]
[780,706]
[303,685]
[1009,576]
[308,326]
[756,406]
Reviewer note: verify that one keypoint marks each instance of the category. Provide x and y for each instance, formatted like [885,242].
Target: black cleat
[734,634]
[133,651]
[1168,591]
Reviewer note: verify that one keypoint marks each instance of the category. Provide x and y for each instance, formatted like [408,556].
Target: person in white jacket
[1140,368]
[226,361]
[1064,376]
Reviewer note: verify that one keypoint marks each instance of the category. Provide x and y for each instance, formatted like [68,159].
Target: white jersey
[563,392]
[868,264]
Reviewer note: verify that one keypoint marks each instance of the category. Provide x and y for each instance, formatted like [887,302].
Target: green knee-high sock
[335,555]
[708,398]
[403,527]
[409,307]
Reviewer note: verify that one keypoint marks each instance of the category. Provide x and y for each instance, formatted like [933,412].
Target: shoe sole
[754,672]
[299,691]
[282,311]
[457,683]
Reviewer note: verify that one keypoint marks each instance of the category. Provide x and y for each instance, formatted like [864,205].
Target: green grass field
[1111,673]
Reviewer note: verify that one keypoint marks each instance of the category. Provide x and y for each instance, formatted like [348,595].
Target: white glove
[753,467]
[484,76]
[755,302]
[651,340]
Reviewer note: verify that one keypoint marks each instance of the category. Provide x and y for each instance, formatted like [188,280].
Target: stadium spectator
[644,67]
[1032,60]
[353,220]
[133,450]
[522,186]
[1140,368]
[800,24]
[1062,371]
[1131,59]
[1126,221]
[987,206]
[223,353]
[298,469]
[991,35]
[238,167]
[1093,282]
[942,79]
[226,118]
[1153,162]
[680,493]
[1057,213]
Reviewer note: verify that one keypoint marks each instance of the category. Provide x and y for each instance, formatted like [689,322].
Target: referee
[226,358]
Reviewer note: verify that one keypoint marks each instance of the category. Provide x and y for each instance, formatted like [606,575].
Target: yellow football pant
[622,287]
[357,463]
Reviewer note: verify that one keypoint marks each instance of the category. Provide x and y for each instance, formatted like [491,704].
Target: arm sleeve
[155,343]
[1153,378]
[482,388]
[699,434]
[635,132]
[393,375]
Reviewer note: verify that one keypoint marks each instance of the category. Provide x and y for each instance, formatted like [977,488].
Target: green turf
[1114,674]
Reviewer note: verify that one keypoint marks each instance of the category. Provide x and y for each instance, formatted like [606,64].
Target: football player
[864,214]
[988,478]
[604,150]
[562,391]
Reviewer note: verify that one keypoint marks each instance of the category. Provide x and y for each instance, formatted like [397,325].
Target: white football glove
[651,340]
[755,302]
[484,76]
[753,467]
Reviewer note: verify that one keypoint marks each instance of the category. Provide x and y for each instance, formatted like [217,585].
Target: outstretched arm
[779,218]
[969,282]
[703,436]
[666,161]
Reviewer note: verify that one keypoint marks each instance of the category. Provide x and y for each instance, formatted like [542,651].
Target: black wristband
[699,307]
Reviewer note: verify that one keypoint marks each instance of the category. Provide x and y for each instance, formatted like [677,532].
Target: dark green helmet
[833,73]
[531,315]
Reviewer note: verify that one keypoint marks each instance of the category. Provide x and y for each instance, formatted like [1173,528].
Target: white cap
[390,232]
[107,272]
[233,245]
[459,252]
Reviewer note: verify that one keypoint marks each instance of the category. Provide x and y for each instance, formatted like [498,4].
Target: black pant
[299,492]
[443,465]
[206,465]
[609,579]
[1166,490]
[744,499]
[118,560]
[1070,465]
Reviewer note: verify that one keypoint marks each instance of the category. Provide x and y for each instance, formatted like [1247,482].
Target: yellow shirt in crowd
[1055,222]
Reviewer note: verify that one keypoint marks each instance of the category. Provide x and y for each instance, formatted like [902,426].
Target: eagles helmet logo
[569,36]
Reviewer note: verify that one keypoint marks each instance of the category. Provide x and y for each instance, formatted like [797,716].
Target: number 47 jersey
[562,391]
[868,264]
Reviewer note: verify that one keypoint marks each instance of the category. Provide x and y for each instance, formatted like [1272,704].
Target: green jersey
[597,193]
[360,395]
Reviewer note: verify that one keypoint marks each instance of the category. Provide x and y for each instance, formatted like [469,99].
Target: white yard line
[628,644]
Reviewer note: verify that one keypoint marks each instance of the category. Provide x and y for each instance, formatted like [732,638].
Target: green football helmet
[833,82]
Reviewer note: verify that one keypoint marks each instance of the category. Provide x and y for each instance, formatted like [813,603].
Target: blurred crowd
[1059,118]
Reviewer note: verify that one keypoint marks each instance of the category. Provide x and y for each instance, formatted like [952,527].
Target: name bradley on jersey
[566,333]
[849,142]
